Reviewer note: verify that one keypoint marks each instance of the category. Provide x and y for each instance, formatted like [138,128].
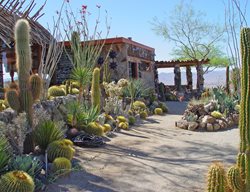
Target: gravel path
[152,157]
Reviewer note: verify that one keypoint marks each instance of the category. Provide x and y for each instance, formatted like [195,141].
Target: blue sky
[131,18]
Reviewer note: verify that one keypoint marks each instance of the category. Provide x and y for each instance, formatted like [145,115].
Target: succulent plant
[61,165]
[107,128]
[234,179]
[95,89]
[139,104]
[16,181]
[143,114]
[216,114]
[5,153]
[56,91]
[121,119]
[30,165]
[216,178]
[60,148]
[131,120]
[158,111]
[95,129]
[123,125]
[47,132]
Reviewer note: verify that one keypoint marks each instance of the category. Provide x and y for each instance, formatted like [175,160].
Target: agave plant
[28,164]
[81,114]
[135,89]
[47,132]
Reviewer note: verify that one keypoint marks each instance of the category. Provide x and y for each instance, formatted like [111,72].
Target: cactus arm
[95,89]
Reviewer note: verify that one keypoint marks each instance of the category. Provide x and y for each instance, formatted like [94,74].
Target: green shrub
[158,111]
[17,181]
[56,91]
[47,132]
[95,129]
[216,114]
[61,148]
[61,165]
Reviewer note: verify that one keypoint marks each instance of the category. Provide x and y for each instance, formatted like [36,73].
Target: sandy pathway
[152,157]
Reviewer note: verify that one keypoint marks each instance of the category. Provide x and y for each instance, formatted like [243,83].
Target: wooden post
[200,78]
[177,77]
[189,78]
[227,80]
[1,76]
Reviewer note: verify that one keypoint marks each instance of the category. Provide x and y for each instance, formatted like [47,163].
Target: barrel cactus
[158,111]
[16,181]
[61,164]
[56,91]
[60,148]
[234,179]
[95,129]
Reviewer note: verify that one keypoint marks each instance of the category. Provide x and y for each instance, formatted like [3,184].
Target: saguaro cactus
[29,86]
[95,89]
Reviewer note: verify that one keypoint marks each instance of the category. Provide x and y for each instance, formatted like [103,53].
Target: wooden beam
[188,63]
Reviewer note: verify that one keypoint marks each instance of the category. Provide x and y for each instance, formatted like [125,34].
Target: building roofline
[117,40]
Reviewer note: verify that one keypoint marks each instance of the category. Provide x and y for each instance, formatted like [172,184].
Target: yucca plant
[47,132]
[83,76]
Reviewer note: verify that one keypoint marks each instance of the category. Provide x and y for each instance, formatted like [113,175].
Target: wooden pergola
[176,64]
[10,12]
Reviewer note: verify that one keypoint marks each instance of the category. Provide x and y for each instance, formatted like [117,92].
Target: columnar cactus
[29,87]
[216,178]
[241,174]
[95,89]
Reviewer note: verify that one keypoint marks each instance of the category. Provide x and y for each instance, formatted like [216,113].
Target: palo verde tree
[193,36]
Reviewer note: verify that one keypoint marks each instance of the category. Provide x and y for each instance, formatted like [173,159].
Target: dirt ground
[152,157]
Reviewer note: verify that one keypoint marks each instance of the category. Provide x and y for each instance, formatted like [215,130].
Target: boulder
[210,127]
[202,125]
[236,118]
[192,126]
[182,124]
[216,126]
[208,119]
[222,124]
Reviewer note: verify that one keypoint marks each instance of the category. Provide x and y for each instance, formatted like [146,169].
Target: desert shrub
[163,106]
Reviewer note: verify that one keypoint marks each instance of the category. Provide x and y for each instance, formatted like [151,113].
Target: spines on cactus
[234,179]
[35,86]
[17,181]
[60,148]
[95,89]
[216,178]
[61,164]
[13,99]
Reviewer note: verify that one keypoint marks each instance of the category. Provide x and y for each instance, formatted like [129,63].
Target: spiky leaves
[47,132]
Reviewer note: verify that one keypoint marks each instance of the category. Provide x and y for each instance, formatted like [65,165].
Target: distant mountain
[212,79]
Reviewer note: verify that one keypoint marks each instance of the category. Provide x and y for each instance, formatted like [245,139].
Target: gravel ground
[154,156]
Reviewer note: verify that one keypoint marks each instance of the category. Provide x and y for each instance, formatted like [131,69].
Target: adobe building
[127,59]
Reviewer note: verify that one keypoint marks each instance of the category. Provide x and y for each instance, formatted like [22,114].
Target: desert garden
[93,125]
